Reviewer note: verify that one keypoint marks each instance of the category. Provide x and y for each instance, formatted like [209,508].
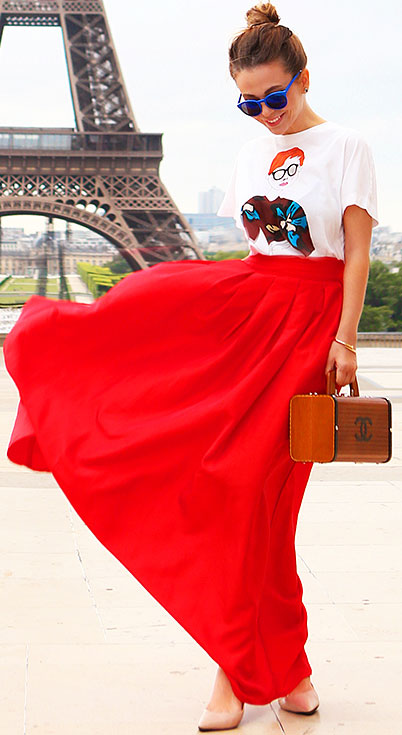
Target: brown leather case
[332,427]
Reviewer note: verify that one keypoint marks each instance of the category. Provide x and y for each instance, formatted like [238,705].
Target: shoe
[301,703]
[220,720]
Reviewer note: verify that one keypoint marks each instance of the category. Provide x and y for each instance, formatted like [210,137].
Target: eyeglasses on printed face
[279,173]
[275,100]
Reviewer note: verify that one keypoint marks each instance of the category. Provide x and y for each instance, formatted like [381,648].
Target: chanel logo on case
[363,435]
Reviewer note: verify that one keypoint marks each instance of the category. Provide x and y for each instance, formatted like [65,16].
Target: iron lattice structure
[104,173]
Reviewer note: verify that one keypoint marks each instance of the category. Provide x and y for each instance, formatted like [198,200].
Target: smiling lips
[275,120]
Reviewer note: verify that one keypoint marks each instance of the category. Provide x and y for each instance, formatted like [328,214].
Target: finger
[344,378]
[329,366]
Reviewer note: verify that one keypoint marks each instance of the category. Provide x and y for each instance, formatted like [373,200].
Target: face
[258,82]
[282,176]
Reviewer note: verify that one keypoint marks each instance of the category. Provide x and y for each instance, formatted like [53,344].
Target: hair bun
[262,13]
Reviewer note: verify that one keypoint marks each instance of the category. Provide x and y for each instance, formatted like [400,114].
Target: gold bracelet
[349,347]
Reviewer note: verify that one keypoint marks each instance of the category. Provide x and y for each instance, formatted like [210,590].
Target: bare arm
[357,225]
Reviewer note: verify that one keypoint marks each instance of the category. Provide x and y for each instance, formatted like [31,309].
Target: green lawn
[17,290]
[28,285]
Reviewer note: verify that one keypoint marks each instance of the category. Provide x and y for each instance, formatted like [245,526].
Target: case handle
[331,385]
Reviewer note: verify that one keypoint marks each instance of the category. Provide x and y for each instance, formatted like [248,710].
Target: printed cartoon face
[281,177]
[285,168]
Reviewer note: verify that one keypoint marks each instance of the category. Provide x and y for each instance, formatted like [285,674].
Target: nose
[266,111]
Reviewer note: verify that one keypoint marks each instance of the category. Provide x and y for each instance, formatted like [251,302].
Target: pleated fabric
[162,410]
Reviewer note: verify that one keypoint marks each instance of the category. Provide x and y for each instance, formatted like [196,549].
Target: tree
[118,265]
[380,287]
[383,301]
[375,319]
[221,255]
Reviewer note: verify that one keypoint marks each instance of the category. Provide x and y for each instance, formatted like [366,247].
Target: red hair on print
[283,156]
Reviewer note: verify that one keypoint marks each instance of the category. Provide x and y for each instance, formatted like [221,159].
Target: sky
[173,57]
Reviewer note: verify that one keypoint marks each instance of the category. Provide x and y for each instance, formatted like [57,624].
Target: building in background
[216,233]
[19,250]
[210,201]
[212,232]
[386,245]
[19,255]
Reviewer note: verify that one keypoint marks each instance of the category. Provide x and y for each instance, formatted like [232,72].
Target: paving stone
[84,648]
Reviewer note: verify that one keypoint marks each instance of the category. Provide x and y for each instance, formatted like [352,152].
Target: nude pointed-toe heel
[220,720]
[301,703]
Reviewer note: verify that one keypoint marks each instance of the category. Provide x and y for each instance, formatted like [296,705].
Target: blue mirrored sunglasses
[275,100]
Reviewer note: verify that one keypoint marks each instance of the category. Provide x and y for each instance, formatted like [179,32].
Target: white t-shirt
[288,193]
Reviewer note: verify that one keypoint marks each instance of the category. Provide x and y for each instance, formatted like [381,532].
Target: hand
[344,361]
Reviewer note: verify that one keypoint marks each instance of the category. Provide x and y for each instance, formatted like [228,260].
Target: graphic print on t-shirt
[334,169]
[285,168]
[280,219]
[277,220]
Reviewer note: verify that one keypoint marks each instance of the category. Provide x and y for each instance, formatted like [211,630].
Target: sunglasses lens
[277,101]
[250,107]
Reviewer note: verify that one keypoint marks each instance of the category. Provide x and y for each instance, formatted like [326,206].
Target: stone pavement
[79,289]
[85,650]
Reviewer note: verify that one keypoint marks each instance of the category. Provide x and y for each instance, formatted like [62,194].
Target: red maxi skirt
[162,410]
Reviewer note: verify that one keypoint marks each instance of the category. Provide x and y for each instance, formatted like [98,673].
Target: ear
[305,79]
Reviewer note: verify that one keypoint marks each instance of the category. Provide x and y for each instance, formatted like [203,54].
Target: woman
[162,409]
[308,190]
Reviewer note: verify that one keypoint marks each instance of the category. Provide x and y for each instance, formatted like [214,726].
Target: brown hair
[263,41]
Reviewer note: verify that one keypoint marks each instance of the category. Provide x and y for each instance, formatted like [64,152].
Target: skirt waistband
[319,269]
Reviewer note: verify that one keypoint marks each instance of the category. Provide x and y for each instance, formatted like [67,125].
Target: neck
[307,119]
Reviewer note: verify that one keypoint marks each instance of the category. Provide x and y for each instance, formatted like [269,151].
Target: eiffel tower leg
[162,236]
[143,207]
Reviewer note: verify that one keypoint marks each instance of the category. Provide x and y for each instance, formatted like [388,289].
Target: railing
[379,339]
[65,140]
[30,6]
[18,12]
[364,339]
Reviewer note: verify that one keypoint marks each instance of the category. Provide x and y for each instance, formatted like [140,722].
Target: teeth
[274,120]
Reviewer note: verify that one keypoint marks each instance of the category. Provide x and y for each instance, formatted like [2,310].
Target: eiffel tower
[104,173]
